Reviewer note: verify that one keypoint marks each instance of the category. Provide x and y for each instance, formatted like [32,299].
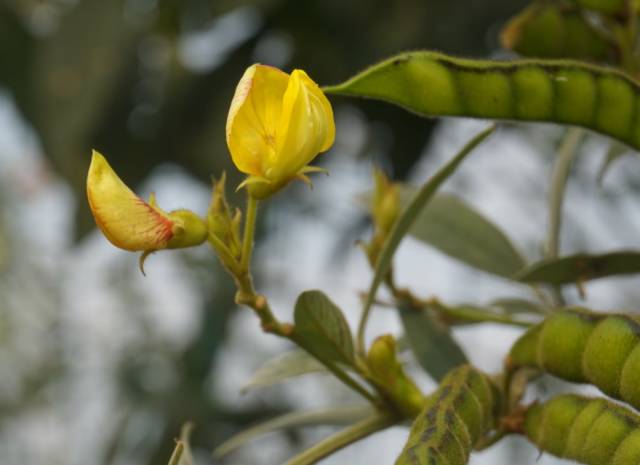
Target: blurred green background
[149,82]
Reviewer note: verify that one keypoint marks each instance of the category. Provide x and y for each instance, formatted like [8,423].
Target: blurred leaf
[453,227]
[322,328]
[413,209]
[581,267]
[284,366]
[338,415]
[178,452]
[431,342]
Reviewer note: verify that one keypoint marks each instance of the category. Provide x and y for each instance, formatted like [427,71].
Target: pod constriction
[590,431]
[557,91]
[460,412]
[585,347]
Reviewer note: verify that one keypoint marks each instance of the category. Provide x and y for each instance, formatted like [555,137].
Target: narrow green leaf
[466,314]
[566,154]
[407,219]
[615,152]
[287,365]
[322,328]
[431,342]
[333,416]
[456,229]
[516,305]
[581,267]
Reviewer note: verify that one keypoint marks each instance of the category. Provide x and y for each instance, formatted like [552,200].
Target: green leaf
[334,416]
[288,365]
[322,328]
[408,217]
[456,229]
[431,342]
[581,267]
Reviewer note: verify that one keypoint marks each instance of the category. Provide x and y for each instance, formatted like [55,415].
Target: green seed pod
[550,30]
[610,7]
[557,91]
[584,347]
[590,431]
[455,417]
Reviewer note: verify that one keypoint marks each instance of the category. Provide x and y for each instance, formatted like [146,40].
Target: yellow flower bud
[132,224]
[277,124]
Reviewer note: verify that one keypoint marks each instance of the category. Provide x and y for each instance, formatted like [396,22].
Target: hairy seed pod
[558,91]
[610,7]
[588,430]
[459,413]
[585,347]
[551,30]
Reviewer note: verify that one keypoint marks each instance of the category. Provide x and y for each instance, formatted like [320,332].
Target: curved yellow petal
[306,126]
[253,117]
[124,218]
[322,109]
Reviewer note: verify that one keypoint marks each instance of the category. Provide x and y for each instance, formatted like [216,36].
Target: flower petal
[306,126]
[253,117]
[124,218]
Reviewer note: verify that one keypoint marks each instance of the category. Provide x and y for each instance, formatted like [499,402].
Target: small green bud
[385,208]
[224,223]
[387,372]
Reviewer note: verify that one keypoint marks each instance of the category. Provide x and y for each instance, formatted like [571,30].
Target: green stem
[247,295]
[249,230]
[344,377]
[343,438]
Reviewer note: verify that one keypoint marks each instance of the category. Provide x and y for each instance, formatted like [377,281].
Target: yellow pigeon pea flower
[277,124]
[130,223]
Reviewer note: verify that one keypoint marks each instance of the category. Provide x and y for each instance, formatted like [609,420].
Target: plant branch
[343,438]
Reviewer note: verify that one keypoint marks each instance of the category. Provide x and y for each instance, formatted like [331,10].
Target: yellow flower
[277,124]
[132,224]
